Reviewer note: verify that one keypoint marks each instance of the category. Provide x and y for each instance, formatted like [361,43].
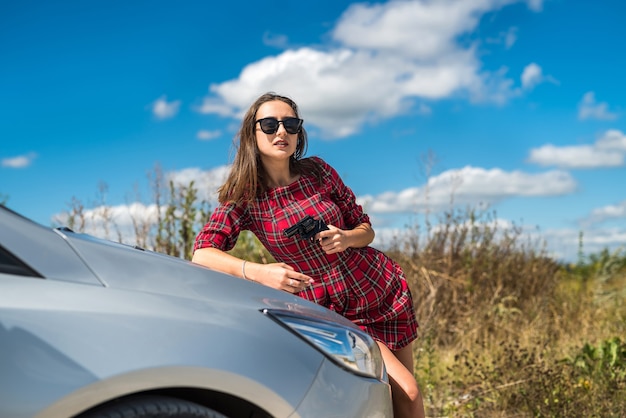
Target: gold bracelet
[243,269]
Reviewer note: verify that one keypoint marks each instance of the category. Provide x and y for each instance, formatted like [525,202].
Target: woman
[269,189]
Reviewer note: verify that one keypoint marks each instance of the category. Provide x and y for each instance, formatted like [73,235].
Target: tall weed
[509,332]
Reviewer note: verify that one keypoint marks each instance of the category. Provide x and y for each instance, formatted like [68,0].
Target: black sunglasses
[270,125]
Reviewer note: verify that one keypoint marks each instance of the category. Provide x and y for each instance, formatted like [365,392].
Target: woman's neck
[279,174]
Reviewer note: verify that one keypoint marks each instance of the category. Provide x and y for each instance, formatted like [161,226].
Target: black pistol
[307,228]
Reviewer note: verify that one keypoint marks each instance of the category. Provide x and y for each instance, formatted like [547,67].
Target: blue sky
[521,103]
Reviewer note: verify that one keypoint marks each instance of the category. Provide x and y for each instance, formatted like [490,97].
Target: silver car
[93,328]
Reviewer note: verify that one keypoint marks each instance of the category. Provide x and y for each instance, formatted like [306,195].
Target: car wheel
[152,407]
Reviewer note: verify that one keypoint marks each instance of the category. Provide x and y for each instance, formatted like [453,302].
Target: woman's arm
[277,275]
[219,260]
[361,236]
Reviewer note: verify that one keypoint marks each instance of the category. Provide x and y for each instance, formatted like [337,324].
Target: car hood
[132,268]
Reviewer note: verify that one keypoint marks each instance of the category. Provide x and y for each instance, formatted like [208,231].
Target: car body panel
[42,250]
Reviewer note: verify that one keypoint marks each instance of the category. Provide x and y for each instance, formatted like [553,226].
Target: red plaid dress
[362,284]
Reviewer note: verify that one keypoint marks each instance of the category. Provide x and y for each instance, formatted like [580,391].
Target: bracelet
[243,269]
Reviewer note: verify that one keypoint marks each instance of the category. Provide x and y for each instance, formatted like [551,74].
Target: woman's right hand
[279,276]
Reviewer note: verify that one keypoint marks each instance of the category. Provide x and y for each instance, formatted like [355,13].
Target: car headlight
[351,348]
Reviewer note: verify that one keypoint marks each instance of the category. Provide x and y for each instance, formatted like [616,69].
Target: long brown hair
[247,177]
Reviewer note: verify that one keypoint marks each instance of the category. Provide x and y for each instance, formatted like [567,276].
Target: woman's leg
[407,398]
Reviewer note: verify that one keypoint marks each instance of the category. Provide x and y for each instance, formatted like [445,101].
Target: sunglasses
[270,125]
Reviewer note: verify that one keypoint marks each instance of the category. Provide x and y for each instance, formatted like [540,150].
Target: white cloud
[535,5]
[510,37]
[275,40]
[597,240]
[588,108]
[118,223]
[560,244]
[607,213]
[608,151]
[612,140]
[206,182]
[386,57]
[219,107]
[20,161]
[531,76]
[575,156]
[162,109]
[205,135]
[396,26]
[115,223]
[470,186]
[564,244]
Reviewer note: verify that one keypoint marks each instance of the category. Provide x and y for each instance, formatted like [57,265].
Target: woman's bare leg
[407,398]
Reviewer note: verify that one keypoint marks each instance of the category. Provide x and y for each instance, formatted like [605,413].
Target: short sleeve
[223,228]
[343,196]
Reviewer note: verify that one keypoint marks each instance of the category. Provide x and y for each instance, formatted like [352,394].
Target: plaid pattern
[362,284]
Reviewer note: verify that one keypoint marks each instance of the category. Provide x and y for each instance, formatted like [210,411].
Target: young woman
[269,189]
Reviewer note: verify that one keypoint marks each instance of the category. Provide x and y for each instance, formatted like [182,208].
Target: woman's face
[280,145]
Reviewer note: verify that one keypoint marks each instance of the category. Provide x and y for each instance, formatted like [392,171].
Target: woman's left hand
[333,240]
[336,240]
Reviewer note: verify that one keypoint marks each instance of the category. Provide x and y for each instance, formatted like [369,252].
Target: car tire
[152,407]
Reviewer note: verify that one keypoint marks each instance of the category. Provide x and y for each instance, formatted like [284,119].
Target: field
[508,332]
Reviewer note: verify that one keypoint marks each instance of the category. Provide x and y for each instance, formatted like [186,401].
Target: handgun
[307,228]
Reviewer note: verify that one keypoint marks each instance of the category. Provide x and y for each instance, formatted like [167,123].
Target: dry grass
[509,332]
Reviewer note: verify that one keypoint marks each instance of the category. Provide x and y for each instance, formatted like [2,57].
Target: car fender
[167,378]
